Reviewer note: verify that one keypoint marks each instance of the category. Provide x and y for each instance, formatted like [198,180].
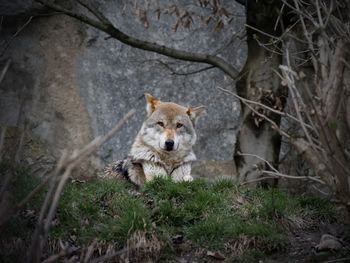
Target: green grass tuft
[220,216]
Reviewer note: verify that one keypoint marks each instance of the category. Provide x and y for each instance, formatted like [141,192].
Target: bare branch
[15,35]
[242,2]
[173,71]
[2,140]
[293,177]
[275,173]
[94,11]
[114,32]
[260,158]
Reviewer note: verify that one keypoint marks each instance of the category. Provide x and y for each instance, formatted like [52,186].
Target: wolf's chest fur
[169,161]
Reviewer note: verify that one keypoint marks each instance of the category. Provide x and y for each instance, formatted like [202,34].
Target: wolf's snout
[169,144]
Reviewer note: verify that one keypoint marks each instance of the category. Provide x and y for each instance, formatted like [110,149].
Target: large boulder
[69,83]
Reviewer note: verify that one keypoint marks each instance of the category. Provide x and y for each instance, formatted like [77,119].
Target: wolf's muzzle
[169,145]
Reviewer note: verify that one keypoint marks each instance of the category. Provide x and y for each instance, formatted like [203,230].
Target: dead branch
[286,176]
[174,72]
[246,101]
[15,35]
[106,26]
[2,140]
[260,158]
[275,173]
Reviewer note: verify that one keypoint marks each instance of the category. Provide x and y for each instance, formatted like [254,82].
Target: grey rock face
[82,84]
[18,7]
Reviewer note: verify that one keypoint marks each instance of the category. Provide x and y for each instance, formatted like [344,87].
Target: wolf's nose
[169,144]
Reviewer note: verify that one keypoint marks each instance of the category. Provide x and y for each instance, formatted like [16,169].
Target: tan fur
[150,154]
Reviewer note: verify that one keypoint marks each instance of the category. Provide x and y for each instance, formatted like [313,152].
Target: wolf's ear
[194,113]
[151,104]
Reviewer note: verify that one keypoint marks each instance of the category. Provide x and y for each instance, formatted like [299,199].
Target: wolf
[163,146]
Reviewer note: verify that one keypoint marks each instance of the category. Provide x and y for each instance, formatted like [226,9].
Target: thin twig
[94,11]
[293,177]
[274,125]
[15,35]
[283,114]
[4,70]
[173,71]
[2,140]
[260,158]
[338,260]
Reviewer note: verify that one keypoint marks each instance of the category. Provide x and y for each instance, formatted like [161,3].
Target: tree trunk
[260,83]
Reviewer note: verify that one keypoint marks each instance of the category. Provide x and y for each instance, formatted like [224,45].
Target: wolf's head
[169,127]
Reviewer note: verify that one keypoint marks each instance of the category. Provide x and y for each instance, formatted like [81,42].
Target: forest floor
[196,221]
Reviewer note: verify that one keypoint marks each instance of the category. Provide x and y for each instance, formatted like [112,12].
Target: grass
[205,216]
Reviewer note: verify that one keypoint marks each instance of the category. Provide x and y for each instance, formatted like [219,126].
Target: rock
[78,85]
[214,169]
[329,242]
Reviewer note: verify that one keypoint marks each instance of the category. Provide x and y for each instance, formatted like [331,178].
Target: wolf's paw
[187,178]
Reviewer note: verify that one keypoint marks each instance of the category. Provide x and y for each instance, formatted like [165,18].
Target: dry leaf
[219,26]
[256,121]
[177,11]
[207,21]
[223,11]
[187,24]
[234,106]
[216,255]
[184,15]
[156,6]
[124,8]
[147,4]
[158,11]
[143,17]
[176,25]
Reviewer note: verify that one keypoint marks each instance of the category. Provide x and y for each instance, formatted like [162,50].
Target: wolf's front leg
[182,173]
[151,170]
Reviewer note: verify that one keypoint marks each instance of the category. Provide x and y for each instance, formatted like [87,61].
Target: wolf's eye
[160,123]
[179,125]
